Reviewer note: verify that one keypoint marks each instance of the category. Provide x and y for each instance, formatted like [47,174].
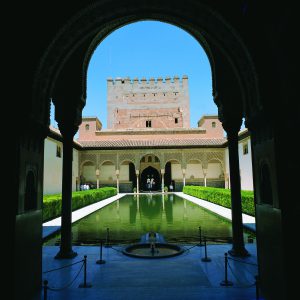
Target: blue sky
[149,49]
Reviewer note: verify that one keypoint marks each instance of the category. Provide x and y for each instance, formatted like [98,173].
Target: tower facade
[140,104]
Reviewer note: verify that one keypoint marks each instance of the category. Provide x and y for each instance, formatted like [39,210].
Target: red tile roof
[153,142]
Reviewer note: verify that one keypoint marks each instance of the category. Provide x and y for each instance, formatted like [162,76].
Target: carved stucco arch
[84,32]
[107,160]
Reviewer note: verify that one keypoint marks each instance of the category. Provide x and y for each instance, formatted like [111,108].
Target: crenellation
[152,95]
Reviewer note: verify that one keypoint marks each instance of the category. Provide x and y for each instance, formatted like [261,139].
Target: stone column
[137,172]
[117,175]
[66,206]
[183,174]
[238,248]
[204,174]
[97,175]
[162,171]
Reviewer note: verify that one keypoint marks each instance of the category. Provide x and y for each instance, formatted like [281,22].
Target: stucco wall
[124,172]
[53,167]
[107,172]
[245,161]
[214,170]
[194,170]
[176,171]
[246,165]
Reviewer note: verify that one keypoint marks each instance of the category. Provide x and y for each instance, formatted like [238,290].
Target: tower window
[213,124]
[245,148]
[58,151]
[149,158]
[148,123]
[87,127]
[176,120]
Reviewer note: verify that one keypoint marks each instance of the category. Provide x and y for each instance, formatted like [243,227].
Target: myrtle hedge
[221,197]
[52,203]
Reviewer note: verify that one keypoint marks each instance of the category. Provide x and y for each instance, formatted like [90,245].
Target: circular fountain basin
[161,250]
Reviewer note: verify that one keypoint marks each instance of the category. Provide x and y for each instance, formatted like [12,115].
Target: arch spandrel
[88,28]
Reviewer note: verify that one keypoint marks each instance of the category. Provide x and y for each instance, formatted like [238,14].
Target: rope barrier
[66,266]
[68,285]
[244,262]
[46,287]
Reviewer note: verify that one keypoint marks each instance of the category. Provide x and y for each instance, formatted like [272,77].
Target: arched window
[87,126]
[213,124]
[30,201]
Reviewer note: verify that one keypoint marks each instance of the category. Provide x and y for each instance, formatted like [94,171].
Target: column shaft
[66,207]
[238,247]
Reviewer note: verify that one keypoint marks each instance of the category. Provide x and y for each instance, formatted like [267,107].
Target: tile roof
[154,142]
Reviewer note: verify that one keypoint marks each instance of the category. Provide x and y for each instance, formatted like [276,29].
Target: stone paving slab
[181,277]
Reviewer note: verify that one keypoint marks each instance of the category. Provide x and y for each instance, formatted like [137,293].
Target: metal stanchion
[85,284]
[100,261]
[45,289]
[200,236]
[205,259]
[107,239]
[226,282]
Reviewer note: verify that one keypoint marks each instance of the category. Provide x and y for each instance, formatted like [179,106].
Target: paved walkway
[184,277]
[54,225]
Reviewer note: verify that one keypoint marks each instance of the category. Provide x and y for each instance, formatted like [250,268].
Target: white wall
[107,171]
[124,172]
[176,171]
[195,170]
[246,166]
[89,173]
[214,170]
[53,167]
[245,161]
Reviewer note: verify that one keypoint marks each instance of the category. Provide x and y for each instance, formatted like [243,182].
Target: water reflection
[132,216]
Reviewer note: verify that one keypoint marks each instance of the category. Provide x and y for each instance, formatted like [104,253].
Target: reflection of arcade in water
[151,210]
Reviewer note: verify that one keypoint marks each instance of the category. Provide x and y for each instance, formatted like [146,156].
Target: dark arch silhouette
[30,201]
[266,194]
[150,172]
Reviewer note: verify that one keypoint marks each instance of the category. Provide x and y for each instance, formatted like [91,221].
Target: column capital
[232,125]
[162,171]
[137,172]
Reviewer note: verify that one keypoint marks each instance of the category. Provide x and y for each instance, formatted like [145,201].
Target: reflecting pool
[130,217]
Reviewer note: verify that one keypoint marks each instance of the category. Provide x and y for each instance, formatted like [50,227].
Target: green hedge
[221,197]
[52,203]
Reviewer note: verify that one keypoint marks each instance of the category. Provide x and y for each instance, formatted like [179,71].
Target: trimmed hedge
[52,203]
[221,197]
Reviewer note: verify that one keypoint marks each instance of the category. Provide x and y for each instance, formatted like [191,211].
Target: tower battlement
[153,102]
[148,82]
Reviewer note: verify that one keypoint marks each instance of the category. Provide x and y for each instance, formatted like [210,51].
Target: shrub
[52,203]
[221,197]
[166,189]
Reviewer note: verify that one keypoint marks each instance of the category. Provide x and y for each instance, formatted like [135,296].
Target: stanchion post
[100,261]
[85,284]
[45,289]
[107,238]
[205,259]
[200,236]
[226,282]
